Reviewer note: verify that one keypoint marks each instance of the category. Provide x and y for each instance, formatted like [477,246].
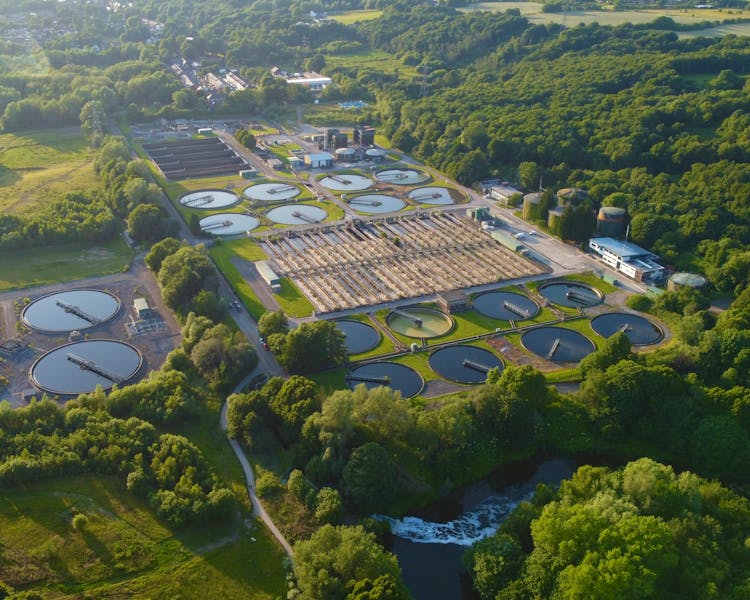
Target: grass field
[377,60]
[222,255]
[56,264]
[533,11]
[292,301]
[353,16]
[123,550]
[38,165]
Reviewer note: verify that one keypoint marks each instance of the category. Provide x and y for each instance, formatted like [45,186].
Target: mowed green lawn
[56,264]
[38,165]
[123,550]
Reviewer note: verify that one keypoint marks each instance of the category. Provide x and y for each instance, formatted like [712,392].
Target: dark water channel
[429,546]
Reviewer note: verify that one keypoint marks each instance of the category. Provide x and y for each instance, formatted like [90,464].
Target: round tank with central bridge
[358,337]
[571,294]
[209,199]
[419,322]
[431,195]
[80,367]
[72,310]
[383,373]
[505,306]
[376,203]
[464,364]
[640,331]
[272,192]
[346,182]
[402,176]
[297,214]
[228,224]
[557,344]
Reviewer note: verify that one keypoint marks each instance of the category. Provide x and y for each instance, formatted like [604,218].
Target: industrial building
[629,259]
[314,81]
[319,160]
[503,192]
[268,275]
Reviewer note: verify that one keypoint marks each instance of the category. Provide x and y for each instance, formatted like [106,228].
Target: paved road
[258,509]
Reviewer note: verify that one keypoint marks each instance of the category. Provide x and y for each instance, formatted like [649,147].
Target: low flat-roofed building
[631,260]
[503,192]
[453,301]
[319,160]
[268,275]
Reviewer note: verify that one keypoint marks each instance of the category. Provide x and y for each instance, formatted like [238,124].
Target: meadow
[38,165]
[58,264]
[117,548]
[354,16]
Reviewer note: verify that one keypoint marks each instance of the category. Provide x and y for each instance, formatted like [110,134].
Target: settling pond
[572,295]
[640,331]
[71,310]
[557,344]
[383,373]
[358,337]
[505,306]
[464,364]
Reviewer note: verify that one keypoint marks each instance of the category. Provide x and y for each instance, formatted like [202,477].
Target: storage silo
[553,219]
[531,206]
[692,280]
[610,222]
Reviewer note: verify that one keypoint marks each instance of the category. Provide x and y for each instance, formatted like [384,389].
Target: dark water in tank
[640,331]
[399,377]
[429,547]
[464,364]
[505,306]
[56,373]
[358,337]
[71,310]
[557,344]
[572,295]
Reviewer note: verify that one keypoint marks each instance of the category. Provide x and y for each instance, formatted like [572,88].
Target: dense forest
[634,114]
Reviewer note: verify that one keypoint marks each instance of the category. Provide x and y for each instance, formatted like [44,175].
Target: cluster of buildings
[315,81]
[215,87]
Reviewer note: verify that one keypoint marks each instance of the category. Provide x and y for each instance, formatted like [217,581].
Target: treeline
[43,440]
[638,532]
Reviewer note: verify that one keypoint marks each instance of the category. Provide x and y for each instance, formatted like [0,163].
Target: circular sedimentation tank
[383,373]
[71,310]
[692,280]
[209,199]
[572,295]
[272,192]
[402,176]
[80,367]
[419,322]
[228,224]
[296,214]
[432,195]
[557,344]
[640,331]
[464,364]
[376,203]
[505,306]
[375,153]
[358,337]
[346,183]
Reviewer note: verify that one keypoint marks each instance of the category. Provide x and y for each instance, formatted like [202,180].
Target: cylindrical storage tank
[693,280]
[553,219]
[531,206]
[345,153]
[610,222]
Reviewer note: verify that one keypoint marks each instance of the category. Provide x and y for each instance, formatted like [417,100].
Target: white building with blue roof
[631,260]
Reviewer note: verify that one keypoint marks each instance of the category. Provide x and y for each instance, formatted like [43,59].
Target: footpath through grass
[59,264]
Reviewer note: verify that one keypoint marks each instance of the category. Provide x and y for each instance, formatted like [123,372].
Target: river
[429,547]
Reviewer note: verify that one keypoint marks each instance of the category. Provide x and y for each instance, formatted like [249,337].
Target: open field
[38,165]
[377,60]
[123,550]
[56,264]
[533,11]
[353,16]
